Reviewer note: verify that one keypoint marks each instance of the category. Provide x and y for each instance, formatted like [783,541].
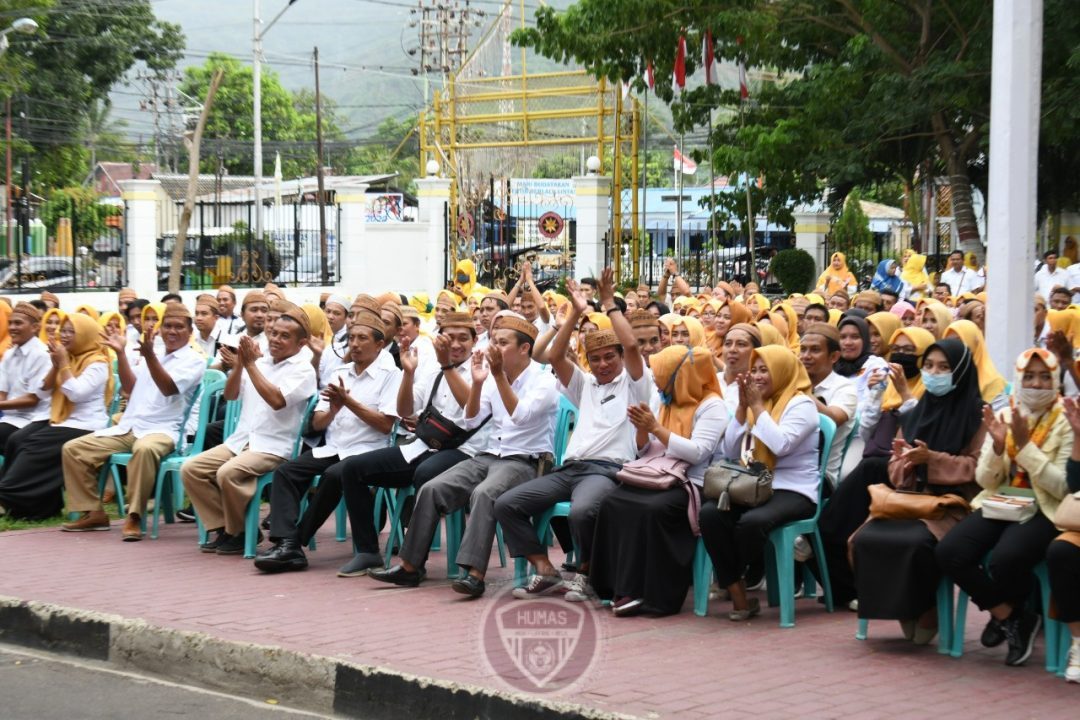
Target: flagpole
[712,206]
[678,207]
[749,214]
[645,183]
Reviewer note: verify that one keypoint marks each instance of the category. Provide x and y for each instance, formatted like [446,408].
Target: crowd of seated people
[451,407]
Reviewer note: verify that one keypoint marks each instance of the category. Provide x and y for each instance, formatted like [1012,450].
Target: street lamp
[26,26]
[260,32]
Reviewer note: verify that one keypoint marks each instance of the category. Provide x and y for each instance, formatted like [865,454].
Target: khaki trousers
[83,457]
[221,484]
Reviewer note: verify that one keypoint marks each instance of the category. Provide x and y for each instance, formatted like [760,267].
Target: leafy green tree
[394,147]
[851,232]
[79,205]
[794,269]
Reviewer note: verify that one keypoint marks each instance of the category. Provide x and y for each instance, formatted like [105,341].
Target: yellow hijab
[467,268]
[103,322]
[835,316]
[922,339]
[42,334]
[791,320]
[886,324]
[941,313]
[686,378]
[789,379]
[1067,322]
[991,383]
[88,310]
[159,309]
[85,350]
[832,280]
[914,273]
[693,326]
[5,339]
[320,327]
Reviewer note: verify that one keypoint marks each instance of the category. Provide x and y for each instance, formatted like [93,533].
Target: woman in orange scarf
[33,483]
[644,545]
[836,277]
[991,384]
[5,339]
[775,426]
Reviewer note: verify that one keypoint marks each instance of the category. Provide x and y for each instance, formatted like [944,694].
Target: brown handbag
[889,504]
[1067,516]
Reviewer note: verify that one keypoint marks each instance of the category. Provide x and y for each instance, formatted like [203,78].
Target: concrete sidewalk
[682,666]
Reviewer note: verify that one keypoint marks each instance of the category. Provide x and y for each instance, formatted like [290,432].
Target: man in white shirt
[255,312]
[604,440]
[410,336]
[836,396]
[492,303]
[1050,276]
[160,389]
[22,373]
[959,278]
[228,322]
[533,307]
[274,390]
[207,333]
[356,411]
[521,399]
[335,354]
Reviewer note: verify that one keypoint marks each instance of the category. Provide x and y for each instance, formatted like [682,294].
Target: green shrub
[794,269]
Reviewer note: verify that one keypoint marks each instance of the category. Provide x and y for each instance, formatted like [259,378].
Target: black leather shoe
[215,542]
[234,545]
[993,634]
[469,585]
[186,515]
[285,555]
[398,575]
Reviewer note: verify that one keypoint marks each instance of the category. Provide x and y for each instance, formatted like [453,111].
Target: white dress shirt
[710,421]
[961,281]
[261,341]
[376,387]
[531,429]
[838,392]
[445,402]
[209,346]
[87,393]
[263,429]
[233,325]
[22,372]
[1045,281]
[606,434]
[794,441]
[1072,281]
[334,355]
[148,410]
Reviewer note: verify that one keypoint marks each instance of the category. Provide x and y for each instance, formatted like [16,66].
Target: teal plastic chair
[251,516]
[1064,643]
[232,418]
[1052,629]
[780,551]
[111,467]
[945,609]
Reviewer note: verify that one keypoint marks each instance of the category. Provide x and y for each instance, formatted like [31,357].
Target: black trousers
[1063,563]
[737,536]
[846,511]
[1015,548]
[291,481]
[352,479]
[215,433]
[16,438]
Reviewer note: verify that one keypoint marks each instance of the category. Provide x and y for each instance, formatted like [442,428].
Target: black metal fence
[73,243]
[863,260]
[222,249]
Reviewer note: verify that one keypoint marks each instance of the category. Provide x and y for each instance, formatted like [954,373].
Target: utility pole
[9,230]
[24,205]
[319,176]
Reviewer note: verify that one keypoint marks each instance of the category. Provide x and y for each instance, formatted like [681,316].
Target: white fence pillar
[433,194]
[810,231]
[1014,143]
[141,232]
[592,198]
[352,231]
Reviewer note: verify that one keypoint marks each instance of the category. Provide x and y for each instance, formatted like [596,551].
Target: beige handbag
[1067,516]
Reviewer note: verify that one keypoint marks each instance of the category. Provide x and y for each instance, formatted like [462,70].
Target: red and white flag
[708,58]
[679,73]
[684,164]
[650,78]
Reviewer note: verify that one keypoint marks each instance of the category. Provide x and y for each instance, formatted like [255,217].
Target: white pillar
[592,199]
[810,231]
[1014,144]
[141,199]
[353,202]
[433,194]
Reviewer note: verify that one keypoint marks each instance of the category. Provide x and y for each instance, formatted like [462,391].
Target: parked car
[307,270]
[48,272]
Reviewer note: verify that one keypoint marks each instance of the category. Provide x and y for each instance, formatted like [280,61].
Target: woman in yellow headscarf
[770,335]
[5,339]
[88,310]
[836,277]
[644,545]
[1066,322]
[50,325]
[465,277]
[687,330]
[590,322]
[776,424]
[935,317]
[152,315]
[791,321]
[882,326]
[915,277]
[34,482]
[117,322]
[991,383]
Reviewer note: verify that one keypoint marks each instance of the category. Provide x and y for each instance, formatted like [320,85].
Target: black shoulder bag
[439,432]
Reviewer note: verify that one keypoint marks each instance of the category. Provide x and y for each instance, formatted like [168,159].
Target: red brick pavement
[683,666]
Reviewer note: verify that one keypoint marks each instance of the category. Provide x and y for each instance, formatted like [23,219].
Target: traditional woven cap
[127,294]
[294,312]
[272,289]
[642,319]
[28,310]
[497,295]
[600,339]
[208,300]
[371,320]
[448,298]
[339,300]
[823,329]
[367,302]
[323,297]
[50,297]
[228,289]
[394,309]
[175,309]
[457,320]
[388,297]
[254,296]
[513,321]
[408,311]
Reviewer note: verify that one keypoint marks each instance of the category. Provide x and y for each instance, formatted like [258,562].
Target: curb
[308,682]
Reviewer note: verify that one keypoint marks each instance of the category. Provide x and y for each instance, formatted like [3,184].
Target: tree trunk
[193,179]
[967,227]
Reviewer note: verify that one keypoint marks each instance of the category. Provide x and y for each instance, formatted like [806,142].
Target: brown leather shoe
[132,531]
[109,495]
[93,520]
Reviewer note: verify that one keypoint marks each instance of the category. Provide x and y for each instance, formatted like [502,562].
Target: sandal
[753,609]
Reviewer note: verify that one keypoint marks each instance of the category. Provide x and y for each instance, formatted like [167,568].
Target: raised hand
[642,417]
[1018,423]
[899,380]
[111,337]
[606,287]
[146,342]
[335,394]
[1058,343]
[494,360]
[409,360]
[670,268]
[995,428]
[1072,413]
[577,299]
[58,354]
[246,351]
[480,371]
[442,350]
[317,344]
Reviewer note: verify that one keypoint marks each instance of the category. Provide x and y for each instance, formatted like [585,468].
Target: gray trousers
[585,483]
[476,482]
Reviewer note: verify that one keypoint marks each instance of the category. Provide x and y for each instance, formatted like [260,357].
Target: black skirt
[644,548]
[33,485]
[896,573]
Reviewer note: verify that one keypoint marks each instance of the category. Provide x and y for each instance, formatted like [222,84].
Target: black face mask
[909,362]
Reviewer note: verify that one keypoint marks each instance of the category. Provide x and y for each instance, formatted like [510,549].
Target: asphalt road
[37,686]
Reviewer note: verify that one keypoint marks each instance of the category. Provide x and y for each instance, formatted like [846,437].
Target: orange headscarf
[84,351]
[789,379]
[833,280]
[1067,322]
[922,339]
[886,324]
[770,335]
[685,377]
[5,339]
[991,383]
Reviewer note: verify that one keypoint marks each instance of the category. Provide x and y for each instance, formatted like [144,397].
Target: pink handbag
[655,470]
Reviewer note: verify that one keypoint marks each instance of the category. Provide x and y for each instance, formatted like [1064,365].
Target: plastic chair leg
[436,540]
[785,573]
[860,632]
[702,579]
[823,568]
[455,528]
[251,517]
[959,625]
[159,489]
[500,544]
[946,624]
[1052,629]
[340,522]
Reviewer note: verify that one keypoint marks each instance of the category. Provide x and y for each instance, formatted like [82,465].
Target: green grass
[7,523]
